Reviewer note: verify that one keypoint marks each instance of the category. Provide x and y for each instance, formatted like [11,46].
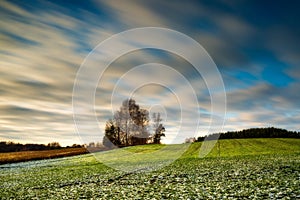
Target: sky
[44,44]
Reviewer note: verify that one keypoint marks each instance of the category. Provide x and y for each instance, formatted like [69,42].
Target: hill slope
[242,147]
[223,148]
[232,147]
[274,175]
[157,156]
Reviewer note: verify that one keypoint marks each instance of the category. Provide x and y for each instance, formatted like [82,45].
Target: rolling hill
[236,169]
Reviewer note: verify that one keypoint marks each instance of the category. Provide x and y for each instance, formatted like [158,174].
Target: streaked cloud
[44,43]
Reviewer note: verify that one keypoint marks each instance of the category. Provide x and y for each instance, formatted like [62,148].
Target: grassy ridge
[152,157]
[242,147]
[232,147]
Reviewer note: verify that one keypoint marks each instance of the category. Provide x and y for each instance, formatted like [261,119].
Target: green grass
[245,169]
[242,147]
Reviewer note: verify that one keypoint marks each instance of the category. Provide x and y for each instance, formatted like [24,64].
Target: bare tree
[129,126]
[140,127]
[159,129]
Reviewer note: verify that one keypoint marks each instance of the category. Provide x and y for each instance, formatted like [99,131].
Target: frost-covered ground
[270,176]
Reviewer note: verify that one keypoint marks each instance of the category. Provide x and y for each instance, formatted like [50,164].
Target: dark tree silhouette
[54,145]
[269,132]
[129,126]
[15,147]
[159,129]
[112,135]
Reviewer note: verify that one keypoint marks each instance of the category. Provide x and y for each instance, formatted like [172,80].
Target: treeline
[269,132]
[16,147]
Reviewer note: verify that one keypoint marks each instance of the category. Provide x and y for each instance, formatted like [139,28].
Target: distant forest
[269,132]
[15,147]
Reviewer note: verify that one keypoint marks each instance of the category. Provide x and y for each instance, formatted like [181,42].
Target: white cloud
[133,14]
[41,52]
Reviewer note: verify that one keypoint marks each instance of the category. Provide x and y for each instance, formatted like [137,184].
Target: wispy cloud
[43,45]
[38,66]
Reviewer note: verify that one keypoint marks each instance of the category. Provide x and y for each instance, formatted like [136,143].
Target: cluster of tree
[14,147]
[76,146]
[269,132]
[130,126]
[93,145]
[190,140]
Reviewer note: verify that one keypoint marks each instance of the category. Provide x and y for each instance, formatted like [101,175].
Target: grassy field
[239,169]
[13,157]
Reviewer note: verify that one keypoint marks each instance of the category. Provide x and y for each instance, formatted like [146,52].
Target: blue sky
[255,45]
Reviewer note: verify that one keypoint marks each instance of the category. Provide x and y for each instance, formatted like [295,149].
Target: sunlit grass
[245,169]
